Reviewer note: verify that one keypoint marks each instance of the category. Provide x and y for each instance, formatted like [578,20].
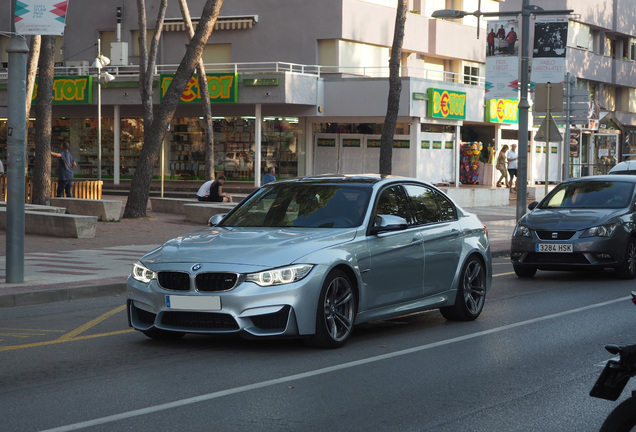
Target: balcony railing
[132,71]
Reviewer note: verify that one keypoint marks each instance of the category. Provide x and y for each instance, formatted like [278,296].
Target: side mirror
[383,223]
[214,220]
[533,205]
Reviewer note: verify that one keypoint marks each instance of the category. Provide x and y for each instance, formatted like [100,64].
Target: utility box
[119,53]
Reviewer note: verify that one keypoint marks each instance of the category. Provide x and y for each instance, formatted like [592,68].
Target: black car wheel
[471,293]
[524,272]
[628,269]
[336,312]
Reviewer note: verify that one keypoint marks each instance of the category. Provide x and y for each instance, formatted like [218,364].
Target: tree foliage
[156,126]
[395,88]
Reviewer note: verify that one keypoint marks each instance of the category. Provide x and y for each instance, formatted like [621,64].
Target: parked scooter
[612,381]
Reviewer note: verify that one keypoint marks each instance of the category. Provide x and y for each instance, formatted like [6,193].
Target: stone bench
[54,224]
[201,212]
[105,210]
[175,205]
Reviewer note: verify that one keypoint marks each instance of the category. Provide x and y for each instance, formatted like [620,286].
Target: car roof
[607,177]
[368,179]
[629,165]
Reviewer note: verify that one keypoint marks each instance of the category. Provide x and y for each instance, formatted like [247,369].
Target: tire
[628,269]
[622,418]
[336,312]
[471,293]
[524,272]
[155,333]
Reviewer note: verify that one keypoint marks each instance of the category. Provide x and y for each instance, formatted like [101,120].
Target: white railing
[278,67]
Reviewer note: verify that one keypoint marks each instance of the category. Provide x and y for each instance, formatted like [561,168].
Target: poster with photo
[502,61]
[548,53]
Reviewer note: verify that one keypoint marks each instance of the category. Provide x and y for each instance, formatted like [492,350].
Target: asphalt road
[527,363]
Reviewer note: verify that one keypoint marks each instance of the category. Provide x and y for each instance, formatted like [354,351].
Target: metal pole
[99,111]
[547,141]
[163,155]
[116,143]
[16,149]
[522,166]
[566,140]
[257,144]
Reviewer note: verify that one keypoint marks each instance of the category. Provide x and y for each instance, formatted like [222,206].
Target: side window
[424,204]
[392,202]
[447,208]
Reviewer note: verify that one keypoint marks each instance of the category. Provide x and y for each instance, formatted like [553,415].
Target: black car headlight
[523,231]
[600,231]
[142,273]
[280,276]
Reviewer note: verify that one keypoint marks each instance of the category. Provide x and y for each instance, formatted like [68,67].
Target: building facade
[309,88]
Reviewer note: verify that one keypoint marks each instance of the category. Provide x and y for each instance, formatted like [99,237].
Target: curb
[62,294]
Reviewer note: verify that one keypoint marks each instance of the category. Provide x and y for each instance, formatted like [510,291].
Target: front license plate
[198,303]
[560,248]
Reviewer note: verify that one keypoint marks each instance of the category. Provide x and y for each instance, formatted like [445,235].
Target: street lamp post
[100,62]
[524,105]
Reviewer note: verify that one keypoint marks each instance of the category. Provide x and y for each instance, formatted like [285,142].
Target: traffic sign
[555,135]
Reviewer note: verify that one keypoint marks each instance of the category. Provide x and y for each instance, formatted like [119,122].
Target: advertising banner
[40,17]
[222,87]
[446,104]
[548,54]
[502,111]
[502,60]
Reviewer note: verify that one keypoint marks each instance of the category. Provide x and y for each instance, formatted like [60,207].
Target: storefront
[185,146]
[298,124]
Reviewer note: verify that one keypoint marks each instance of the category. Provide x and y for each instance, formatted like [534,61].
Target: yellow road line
[503,274]
[58,341]
[32,330]
[81,329]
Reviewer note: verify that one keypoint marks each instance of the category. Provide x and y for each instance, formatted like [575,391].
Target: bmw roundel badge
[196,267]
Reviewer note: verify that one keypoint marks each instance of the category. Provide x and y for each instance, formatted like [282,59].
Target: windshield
[590,194]
[303,205]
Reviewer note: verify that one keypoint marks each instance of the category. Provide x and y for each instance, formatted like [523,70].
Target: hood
[267,247]
[569,219]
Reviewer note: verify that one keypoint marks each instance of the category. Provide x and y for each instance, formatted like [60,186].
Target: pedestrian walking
[65,166]
[501,166]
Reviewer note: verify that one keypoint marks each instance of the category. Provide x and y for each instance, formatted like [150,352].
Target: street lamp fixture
[100,62]
[526,10]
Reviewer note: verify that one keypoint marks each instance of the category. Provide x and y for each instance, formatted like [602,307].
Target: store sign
[223,88]
[446,104]
[502,111]
[69,90]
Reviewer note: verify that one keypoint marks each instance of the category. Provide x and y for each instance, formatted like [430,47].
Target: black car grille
[210,282]
[555,258]
[560,235]
[272,321]
[175,281]
[199,320]
[205,282]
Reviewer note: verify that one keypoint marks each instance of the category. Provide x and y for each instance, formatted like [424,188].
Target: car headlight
[280,276]
[523,231]
[600,231]
[143,274]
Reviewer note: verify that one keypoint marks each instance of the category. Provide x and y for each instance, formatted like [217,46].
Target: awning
[238,22]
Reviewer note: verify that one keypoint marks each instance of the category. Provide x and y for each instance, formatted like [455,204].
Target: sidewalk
[62,269]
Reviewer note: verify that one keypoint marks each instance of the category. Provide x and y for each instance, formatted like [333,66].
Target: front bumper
[248,309]
[589,252]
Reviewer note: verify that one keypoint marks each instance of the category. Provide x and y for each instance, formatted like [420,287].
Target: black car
[583,223]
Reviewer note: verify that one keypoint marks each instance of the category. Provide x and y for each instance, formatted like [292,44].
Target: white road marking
[322,371]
